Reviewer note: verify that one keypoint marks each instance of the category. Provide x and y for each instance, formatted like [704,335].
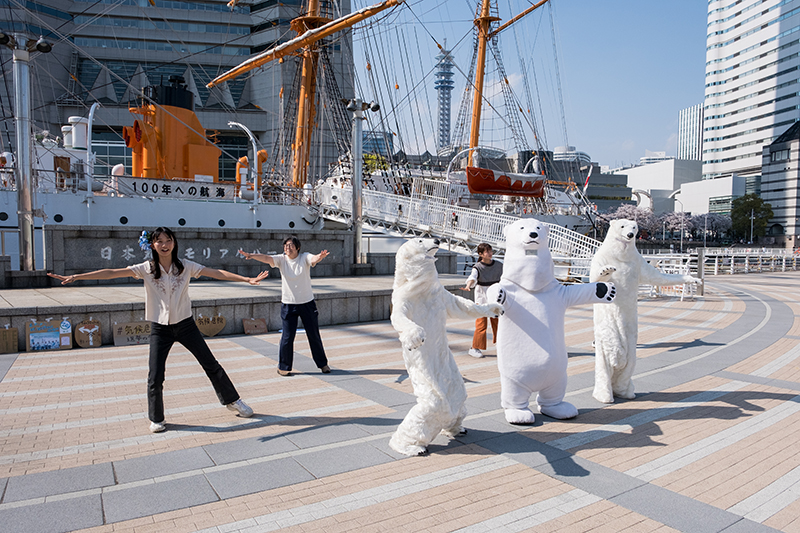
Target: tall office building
[690,133]
[106,50]
[751,89]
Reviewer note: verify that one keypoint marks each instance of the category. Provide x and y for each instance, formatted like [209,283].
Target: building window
[779,155]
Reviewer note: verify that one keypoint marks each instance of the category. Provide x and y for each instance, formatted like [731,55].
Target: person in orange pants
[486,272]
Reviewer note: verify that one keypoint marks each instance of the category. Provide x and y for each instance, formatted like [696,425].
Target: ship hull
[486,181]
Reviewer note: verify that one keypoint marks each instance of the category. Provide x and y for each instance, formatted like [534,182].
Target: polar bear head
[527,259]
[623,230]
[621,235]
[415,262]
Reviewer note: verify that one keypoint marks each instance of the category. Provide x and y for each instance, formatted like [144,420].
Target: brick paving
[708,444]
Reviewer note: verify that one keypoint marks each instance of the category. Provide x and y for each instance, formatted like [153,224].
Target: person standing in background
[297,301]
[486,272]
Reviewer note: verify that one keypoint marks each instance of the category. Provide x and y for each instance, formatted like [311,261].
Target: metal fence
[430,211]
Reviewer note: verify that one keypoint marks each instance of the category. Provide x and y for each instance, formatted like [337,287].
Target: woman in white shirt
[297,301]
[169,309]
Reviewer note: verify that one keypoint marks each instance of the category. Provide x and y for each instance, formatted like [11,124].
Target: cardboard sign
[8,340]
[254,326]
[210,325]
[88,334]
[48,336]
[131,333]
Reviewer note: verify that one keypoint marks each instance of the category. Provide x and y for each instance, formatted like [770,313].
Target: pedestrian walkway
[708,445]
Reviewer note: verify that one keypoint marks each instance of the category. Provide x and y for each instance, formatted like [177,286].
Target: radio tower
[444,86]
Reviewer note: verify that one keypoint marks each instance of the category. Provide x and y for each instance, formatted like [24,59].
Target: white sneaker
[157,427]
[242,408]
[474,352]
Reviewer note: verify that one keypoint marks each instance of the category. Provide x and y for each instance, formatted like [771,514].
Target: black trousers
[186,333]
[308,313]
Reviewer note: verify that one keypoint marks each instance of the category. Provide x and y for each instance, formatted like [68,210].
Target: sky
[627,67]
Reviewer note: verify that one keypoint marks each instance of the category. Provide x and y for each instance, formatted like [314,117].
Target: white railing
[720,261]
[429,211]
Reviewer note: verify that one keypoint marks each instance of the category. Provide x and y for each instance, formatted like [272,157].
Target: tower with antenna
[444,86]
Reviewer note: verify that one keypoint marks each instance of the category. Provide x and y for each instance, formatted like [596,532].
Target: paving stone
[674,510]
[6,362]
[53,517]
[151,499]
[375,425]
[58,482]
[244,449]
[346,459]
[161,464]
[317,436]
[257,477]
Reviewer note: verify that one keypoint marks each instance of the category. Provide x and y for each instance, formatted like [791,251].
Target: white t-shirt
[166,299]
[295,278]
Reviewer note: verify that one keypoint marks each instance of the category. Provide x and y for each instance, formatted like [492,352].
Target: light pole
[677,200]
[22,47]
[705,229]
[357,106]
[752,217]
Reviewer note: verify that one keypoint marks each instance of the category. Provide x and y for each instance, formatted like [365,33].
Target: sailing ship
[175,164]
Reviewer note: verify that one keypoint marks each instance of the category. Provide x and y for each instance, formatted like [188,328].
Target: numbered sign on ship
[48,336]
[131,333]
[88,334]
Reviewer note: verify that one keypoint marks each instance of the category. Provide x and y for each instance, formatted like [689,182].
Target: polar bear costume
[420,308]
[616,326]
[531,350]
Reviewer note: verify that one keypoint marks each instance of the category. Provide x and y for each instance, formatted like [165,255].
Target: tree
[715,223]
[741,210]
[643,217]
[375,162]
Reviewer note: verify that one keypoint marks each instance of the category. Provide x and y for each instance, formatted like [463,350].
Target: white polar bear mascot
[420,307]
[616,326]
[531,350]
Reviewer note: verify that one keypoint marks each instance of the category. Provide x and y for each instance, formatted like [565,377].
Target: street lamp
[357,106]
[752,217]
[21,47]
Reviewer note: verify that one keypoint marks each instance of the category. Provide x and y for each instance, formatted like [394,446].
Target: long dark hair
[155,268]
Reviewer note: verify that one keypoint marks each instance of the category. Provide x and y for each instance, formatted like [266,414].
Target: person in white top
[297,301]
[167,306]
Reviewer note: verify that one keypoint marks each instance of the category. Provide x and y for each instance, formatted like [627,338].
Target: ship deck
[709,444]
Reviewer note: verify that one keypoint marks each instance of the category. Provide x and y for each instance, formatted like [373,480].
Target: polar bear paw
[603,396]
[492,309]
[606,291]
[520,416]
[607,271]
[501,296]
[453,433]
[413,338]
[691,279]
[560,411]
[408,449]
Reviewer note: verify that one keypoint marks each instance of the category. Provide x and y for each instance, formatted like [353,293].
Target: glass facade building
[751,84]
[690,133]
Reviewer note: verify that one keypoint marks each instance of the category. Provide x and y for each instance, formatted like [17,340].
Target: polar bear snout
[630,235]
[533,235]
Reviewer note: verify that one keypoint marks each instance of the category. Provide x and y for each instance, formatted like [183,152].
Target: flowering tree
[644,217]
[714,223]
[675,220]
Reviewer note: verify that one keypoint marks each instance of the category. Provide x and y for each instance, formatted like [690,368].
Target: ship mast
[310,28]
[483,22]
